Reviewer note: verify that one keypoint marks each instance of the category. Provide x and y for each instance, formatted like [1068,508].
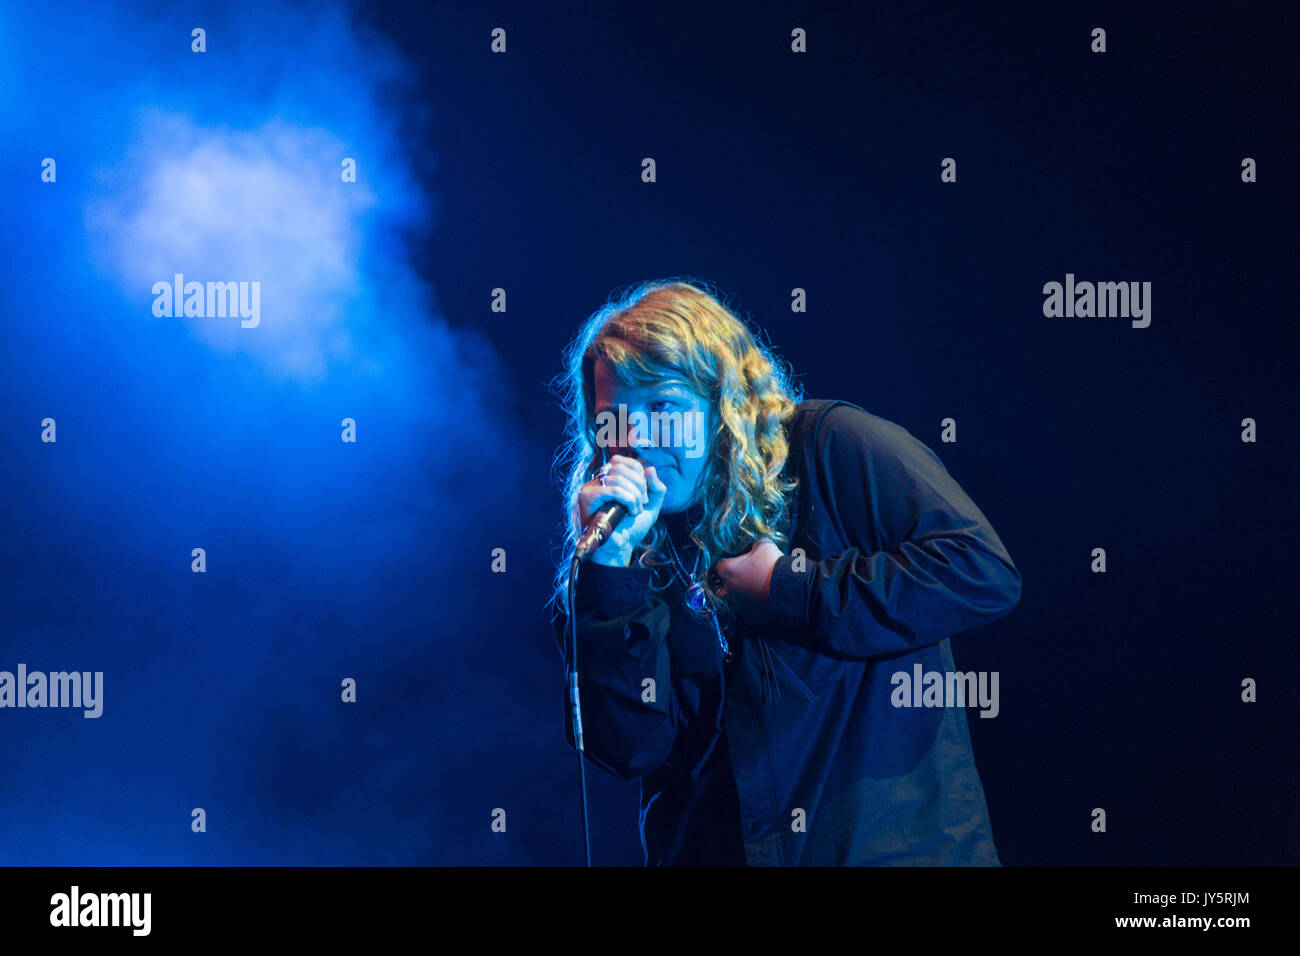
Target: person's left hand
[746,580]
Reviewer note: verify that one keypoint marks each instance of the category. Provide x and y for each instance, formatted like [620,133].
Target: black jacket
[794,753]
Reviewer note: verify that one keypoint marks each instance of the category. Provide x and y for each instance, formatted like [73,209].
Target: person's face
[681,455]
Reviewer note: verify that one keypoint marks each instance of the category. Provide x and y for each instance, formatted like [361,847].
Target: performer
[738,632]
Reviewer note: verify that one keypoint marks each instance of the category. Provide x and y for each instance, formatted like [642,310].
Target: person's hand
[639,489]
[746,580]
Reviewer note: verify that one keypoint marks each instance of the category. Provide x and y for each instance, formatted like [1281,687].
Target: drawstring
[770,682]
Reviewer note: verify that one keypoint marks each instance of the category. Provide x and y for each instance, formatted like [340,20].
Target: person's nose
[636,440]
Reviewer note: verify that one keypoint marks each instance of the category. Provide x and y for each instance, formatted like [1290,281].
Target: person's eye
[662,401]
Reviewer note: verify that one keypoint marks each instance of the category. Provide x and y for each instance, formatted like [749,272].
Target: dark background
[522,171]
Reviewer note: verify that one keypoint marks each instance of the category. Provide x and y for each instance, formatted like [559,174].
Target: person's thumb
[657,488]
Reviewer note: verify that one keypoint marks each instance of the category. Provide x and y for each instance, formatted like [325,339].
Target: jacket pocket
[816,672]
[787,674]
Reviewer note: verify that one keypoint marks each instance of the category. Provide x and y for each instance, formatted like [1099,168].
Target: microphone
[599,528]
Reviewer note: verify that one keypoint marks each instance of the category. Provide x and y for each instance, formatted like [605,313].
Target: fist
[747,579]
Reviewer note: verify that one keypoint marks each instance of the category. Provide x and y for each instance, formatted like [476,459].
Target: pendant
[697,600]
[695,597]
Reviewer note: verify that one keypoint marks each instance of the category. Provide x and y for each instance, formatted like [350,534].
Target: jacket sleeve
[622,640]
[923,563]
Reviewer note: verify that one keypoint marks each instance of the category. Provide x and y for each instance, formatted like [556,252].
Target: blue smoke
[325,559]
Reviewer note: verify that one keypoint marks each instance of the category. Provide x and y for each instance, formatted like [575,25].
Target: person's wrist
[787,593]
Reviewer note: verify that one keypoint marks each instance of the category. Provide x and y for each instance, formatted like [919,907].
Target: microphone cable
[576,704]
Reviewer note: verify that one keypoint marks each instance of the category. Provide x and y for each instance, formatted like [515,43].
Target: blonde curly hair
[675,328]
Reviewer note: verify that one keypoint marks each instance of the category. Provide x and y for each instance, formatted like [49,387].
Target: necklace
[696,599]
